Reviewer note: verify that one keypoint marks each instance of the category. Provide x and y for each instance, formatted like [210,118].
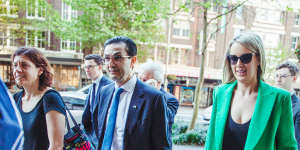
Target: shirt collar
[293,92]
[129,85]
[98,79]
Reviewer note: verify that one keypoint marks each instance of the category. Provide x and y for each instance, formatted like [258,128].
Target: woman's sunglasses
[245,58]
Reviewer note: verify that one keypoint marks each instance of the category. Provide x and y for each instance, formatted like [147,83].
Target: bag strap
[71,116]
[68,112]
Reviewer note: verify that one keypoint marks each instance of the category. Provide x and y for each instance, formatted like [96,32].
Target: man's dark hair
[97,58]
[130,45]
[293,68]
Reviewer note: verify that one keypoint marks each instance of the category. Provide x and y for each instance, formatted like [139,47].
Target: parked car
[85,89]
[75,101]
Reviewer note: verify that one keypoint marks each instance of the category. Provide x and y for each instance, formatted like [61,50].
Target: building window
[69,76]
[67,12]
[295,41]
[67,45]
[297,20]
[176,31]
[186,32]
[8,38]
[8,8]
[3,38]
[36,39]
[239,13]
[5,71]
[263,15]
[12,38]
[35,9]
[214,5]
[181,29]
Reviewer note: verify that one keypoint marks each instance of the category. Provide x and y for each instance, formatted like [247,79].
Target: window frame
[37,10]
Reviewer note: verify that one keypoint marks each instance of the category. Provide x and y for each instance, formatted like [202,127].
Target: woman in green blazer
[248,113]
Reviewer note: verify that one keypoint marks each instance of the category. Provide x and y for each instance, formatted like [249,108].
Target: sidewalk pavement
[187,147]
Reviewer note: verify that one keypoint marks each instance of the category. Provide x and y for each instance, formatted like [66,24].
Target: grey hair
[252,42]
[154,69]
[293,68]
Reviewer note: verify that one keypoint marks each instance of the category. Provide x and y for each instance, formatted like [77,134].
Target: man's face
[283,78]
[119,64]
[145,75]
[92,70]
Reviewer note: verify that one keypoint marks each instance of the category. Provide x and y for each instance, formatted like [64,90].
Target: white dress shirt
[125,99]
[97,81]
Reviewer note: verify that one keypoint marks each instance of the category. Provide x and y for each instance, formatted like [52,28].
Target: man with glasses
[286,75]
[93,69]
[133,114]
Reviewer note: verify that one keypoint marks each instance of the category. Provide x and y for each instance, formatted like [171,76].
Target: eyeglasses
[245,58]
[116,58]
[282,76]
[89,66]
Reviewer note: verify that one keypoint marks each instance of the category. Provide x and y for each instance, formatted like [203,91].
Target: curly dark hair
[40,61]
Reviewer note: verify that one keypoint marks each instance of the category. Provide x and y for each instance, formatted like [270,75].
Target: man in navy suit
[141,115]
[93,68]
[285,76]
[151,72]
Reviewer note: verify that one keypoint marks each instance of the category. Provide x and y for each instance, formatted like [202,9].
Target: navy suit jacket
[89,119]
[147,124]
[172,104]
[296,117]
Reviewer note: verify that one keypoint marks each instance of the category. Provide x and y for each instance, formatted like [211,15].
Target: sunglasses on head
[245,58]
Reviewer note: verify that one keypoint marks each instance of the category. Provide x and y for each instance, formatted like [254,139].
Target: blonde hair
[252,42]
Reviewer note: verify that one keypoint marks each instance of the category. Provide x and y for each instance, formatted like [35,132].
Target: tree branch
[227,12]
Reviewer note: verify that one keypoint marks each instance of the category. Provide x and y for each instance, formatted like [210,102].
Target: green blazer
[271,126]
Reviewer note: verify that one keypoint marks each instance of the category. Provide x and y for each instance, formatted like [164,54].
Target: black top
[34,122]
[235,135]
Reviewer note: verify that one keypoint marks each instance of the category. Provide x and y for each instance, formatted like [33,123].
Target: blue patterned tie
[110,127]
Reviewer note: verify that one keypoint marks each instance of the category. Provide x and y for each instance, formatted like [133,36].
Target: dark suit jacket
[89,119]
[296,117]
[147,124]
[172,104]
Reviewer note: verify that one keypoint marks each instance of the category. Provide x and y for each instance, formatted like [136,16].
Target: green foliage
[179,127]
[297,52]
[99,20]
[273,58]
[289,8]
[183,136]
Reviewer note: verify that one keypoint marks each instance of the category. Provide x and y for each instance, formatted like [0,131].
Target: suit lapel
[221,116]
[104,106]
[87,103]
[136,106]
[264,106]
[96,99]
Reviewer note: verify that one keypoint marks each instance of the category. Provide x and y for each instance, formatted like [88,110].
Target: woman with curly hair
[42,109]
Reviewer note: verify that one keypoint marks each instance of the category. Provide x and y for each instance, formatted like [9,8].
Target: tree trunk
[195,38]
[200,81]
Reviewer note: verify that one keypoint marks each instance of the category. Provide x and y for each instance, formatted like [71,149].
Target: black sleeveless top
[235,135]
[34,122]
